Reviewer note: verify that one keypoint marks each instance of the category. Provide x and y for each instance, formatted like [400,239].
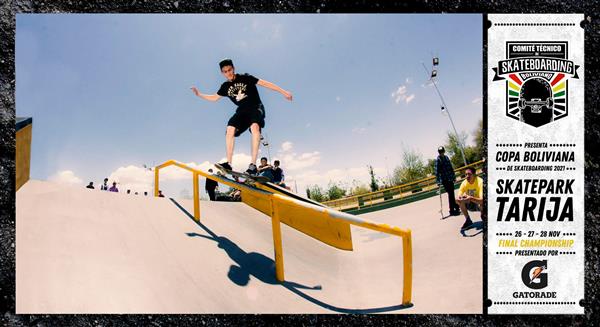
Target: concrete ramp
[88,251]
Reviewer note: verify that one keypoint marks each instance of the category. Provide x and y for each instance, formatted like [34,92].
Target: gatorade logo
[534,274]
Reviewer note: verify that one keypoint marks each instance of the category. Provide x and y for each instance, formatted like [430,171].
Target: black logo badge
[534,274]
[536,76]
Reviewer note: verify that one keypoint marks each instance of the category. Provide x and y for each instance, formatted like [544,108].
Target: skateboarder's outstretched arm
[209,97]
[274,87]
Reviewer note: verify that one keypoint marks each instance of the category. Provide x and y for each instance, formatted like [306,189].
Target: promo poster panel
[536,163]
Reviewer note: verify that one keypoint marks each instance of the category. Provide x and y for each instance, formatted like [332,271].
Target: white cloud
[338,99]
[240,161]
[400,91]
[135,178]
[293,161]
[401,95]
[408,80]
[308,125]
[66,177]
[359,130]
[141,179]
[287,146]
[429,83]
[477,100]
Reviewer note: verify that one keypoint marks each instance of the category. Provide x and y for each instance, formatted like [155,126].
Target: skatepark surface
[89,251]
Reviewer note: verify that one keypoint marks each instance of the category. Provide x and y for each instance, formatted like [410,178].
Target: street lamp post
[265,143]
[151,169]
[432,76]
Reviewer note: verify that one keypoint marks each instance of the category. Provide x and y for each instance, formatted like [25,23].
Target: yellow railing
[367,199]
[282,205]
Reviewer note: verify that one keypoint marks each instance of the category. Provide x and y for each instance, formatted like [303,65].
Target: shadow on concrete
[263,268]
[247,264]
[475,229]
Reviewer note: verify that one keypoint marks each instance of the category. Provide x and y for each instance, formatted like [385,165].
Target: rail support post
[196,198]
[277,242]
[407,254]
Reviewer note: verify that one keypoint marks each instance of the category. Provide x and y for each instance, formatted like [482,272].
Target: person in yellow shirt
[470,195]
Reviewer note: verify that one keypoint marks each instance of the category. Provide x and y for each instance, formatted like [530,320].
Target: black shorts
[244,117]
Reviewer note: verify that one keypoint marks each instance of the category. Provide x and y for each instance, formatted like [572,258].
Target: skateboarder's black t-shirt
[241,91]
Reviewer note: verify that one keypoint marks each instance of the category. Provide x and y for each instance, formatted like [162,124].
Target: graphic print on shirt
[237,91]
[242,91]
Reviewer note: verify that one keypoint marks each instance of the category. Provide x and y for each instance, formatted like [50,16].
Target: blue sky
[110,93]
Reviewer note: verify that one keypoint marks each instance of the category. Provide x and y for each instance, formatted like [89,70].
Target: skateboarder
[445,176]
[250,113]
[470,195]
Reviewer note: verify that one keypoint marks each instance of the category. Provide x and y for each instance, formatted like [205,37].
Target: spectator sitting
[104,187]
[90,185]
[265,169]
[128,191]
[160,194]
[114,187]
[470,196]
[145,193]
[278,176]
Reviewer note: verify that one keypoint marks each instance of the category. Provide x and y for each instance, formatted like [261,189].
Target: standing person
[470,195]
[114,187]
[210,187]
[445,176]
[104,187]
[90,185]
[250,112]
[278,176]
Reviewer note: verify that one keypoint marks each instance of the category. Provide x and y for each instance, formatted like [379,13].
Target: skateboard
[236,175]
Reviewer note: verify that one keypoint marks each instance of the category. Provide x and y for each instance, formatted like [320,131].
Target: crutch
[440,193]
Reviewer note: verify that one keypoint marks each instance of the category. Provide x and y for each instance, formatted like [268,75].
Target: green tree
[430,168]
[374,185]
[359,188]
[335,191]
[471,154]
[316,193]
[479,149]
[412,168]
[453,149]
